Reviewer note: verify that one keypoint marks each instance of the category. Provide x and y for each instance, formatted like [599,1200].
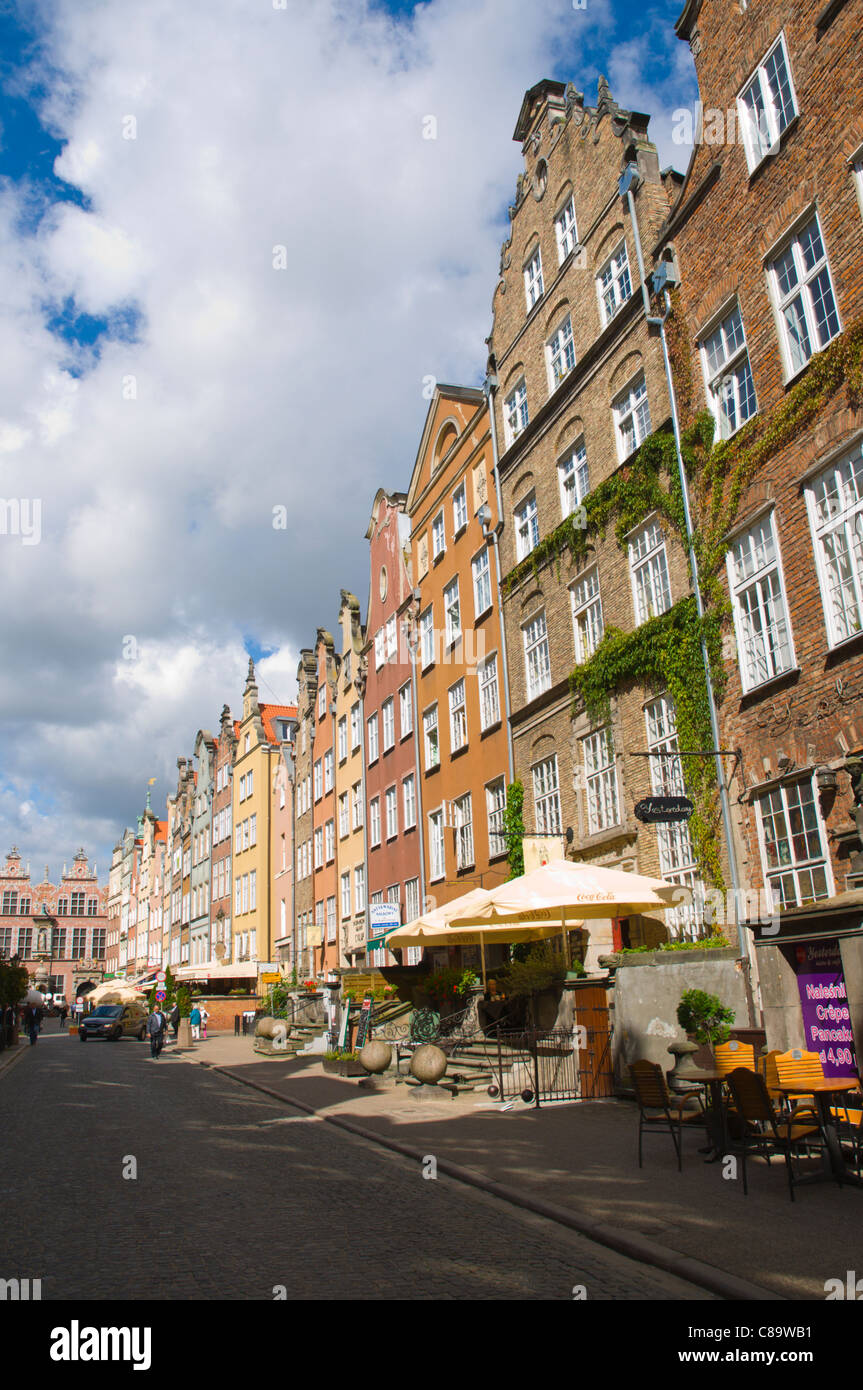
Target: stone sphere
[376,1057]
[428,1063]
[265,1027]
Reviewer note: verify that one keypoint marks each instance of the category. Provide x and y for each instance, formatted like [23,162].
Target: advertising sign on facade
[542,849]
[383,919]
[824,1004]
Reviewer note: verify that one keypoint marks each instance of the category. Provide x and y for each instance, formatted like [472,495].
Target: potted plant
[341,1063]
[704,1017]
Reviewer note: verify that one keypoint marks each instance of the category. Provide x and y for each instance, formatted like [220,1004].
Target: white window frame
[437,853]
[495,805]
[614,283]
[793,867]
[515,413]
[360,888]
[728,382]
[537,667]
[489,692]
[533,282]
[566,230]
[388,723]
[391,811]
[438,535]
[844,478]
[762,120]
[452,612]
[560,353]
[573,478]
[357,806]
[631,411]
[344,815]
[465,857]
[457,716]
[651,597]
[343,738]
[545,780]
[757,587]
[409,801]
[526,519]
[430,725]
[372,736]
[459,510]
[346,894]
[587,621]
[480,569]
[427,643]
[374,822]
[406,711]
[801,296]
[602,792]
[356,727]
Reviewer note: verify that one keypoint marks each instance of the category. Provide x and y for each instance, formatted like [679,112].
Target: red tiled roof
[271,712]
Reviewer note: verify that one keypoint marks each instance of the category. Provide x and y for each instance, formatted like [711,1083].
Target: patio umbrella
[563,890]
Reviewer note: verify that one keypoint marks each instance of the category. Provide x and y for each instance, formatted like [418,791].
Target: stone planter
[342,1066]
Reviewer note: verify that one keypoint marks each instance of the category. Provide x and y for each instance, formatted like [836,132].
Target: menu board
[824,1004]
[363,1025]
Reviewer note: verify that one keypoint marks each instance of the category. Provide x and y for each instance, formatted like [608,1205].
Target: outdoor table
[833,1162]
[716,1127]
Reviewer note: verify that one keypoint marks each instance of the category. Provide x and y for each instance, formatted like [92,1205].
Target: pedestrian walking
[32,1020]
[156,1027]
[175,1020]
[63,1014]
[195,1020]
[204,1017]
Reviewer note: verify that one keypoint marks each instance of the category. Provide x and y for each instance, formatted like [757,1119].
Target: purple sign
[824,1004]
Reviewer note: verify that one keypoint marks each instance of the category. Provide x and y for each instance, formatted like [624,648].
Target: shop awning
[243,970]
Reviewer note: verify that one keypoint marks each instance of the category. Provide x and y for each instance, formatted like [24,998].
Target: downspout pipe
[629,182]
[489,387]
[412,640]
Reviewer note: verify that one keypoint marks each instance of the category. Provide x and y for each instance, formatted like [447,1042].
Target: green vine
[667,651]
[513,828]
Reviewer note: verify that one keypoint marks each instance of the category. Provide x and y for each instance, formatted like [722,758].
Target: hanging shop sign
[663,810]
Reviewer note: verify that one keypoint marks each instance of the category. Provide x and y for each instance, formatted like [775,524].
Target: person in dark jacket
[156,1027]
[175,1020]
[63,1012]
[32,1022]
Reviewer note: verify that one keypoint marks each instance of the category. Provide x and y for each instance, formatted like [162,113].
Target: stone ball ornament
[375,1057]
[428,1064]
[266,1027]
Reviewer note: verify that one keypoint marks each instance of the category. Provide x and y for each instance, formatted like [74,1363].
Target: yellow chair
[732,1054]
[795,1068]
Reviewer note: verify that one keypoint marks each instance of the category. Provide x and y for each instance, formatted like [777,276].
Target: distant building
[65,923]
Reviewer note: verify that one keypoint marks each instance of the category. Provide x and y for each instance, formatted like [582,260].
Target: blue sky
[164,389]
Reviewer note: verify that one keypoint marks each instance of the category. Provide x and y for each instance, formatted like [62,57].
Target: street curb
[20,1051]
[646,1251]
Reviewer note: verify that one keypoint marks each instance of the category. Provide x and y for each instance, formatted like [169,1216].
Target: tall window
[430,738]
[573,477]
[495,801]
[648,566]
[481,582]
[388,717]
[767,104]
[375,821]
[586,615]
[533,288]
[78,904]
[526,526]
[391,806]
[803,292]
[489,699]
[409,801]
[319,780]
[331,919]
[391,638]
[560,353]
[328,770]
[343,737]
[760,615]
[436,849]
[346,894]
[457,717]
[631,417]
[727,374]
[79,943]
[319,848]
[792,845]
[372,723]
[427,637]
[412,906]
[565,231]
[676,857]
[356,727]
[835,501]
[601,778]
[330,840]
[357,805]
[322,708]
[459,510]
[536,657]
[360,888]
[515,416]
[379,649]
[438,536]
[452,609]
[406,712]
[613,283]
[546,797]
[464,855]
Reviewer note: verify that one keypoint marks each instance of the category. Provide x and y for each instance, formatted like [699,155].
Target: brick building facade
[69,919]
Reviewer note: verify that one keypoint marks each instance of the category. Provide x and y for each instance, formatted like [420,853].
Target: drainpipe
[629,181]
[366,896]
[489,387]
[413,647]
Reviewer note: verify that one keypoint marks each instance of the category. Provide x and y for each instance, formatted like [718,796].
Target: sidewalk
[583,1157]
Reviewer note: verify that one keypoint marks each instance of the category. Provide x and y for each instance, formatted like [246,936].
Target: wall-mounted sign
[383,919]
[363,1026]
[542,849]
[824,1005]
[663,810]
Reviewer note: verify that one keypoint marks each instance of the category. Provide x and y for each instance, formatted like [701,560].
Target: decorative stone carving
[428,1064]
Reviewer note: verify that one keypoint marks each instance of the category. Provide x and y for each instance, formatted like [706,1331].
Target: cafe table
[716,1126]
[834,1168]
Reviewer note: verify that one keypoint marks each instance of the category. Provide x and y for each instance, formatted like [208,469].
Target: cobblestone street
[239,1194]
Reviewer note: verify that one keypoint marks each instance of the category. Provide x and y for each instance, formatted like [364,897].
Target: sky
[229,260]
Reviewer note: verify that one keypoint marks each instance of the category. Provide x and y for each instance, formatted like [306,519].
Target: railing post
[536,1070]
[499,1060]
